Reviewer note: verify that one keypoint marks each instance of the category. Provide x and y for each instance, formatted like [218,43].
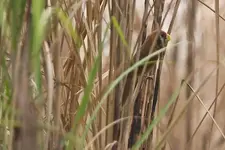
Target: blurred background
[63,67]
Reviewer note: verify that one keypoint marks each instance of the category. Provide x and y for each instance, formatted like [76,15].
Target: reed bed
[65,66]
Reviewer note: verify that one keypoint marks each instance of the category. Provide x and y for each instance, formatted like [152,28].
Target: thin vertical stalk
[217,63]
[112,54]
[190,62]
[157,24]
[25,137]
[98,41]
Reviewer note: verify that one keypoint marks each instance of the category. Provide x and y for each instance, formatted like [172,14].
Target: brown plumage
[146,49]
[160,40]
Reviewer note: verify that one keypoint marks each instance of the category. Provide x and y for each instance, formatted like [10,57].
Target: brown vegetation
[68,79]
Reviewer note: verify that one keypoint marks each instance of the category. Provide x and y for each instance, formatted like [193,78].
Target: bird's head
[162,39]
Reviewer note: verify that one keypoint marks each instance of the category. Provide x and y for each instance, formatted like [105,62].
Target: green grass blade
[117,81]
[67,24]
[100,49]
[17,12]
[119,31]
[121,35]
[40,19]
[85,100]
[157,119]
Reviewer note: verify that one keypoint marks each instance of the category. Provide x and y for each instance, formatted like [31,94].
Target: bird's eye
[163,35]
[162,38]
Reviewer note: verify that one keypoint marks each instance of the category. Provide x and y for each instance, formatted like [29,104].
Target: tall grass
[59,89]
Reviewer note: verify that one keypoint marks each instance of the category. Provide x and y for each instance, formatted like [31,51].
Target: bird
[158,39]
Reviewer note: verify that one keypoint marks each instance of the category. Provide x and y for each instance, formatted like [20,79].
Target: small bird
[160,40]
[155,41]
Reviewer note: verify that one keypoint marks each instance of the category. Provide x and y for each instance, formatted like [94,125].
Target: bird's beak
[168,37]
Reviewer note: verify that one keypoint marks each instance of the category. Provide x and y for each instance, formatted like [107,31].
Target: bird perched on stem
[155,41]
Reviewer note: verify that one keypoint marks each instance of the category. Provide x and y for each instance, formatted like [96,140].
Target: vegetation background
[63,66]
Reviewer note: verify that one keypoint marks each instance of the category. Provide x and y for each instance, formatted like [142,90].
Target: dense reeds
[65,66]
